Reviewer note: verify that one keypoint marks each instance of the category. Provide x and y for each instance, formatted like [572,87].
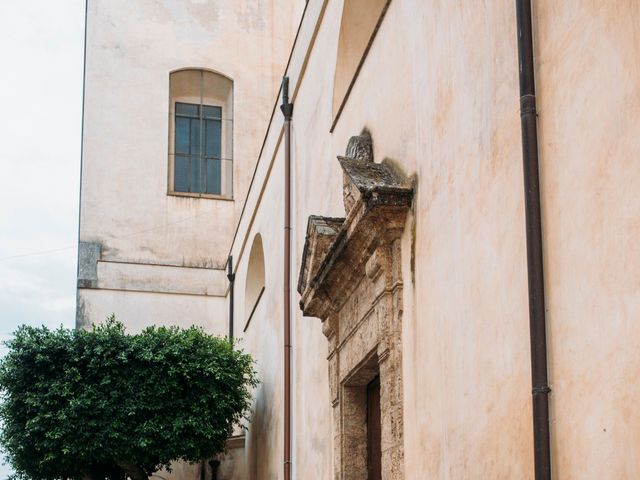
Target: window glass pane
[181,174]
[213,176]
[212,147]
[188,109]
[211,112]
[182,135]
[197,180]
[195,137]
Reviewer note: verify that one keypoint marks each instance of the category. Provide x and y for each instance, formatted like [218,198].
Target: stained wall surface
[439,93]
[589,102]
[131,48]
[261,335]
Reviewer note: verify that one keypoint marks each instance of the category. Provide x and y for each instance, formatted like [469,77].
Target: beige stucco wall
[440,410]
[141,309]
[439,93]
[131,48]
[263,339]
[589,99]
[447,117]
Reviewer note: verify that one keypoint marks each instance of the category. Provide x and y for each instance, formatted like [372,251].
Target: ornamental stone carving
[351,279]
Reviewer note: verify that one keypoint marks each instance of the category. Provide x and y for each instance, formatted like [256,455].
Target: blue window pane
[213,134]
[187,109]
[195,137]
[198,148]
[181,174]
[197,175]
[182,135]
[213,176]
[211,112]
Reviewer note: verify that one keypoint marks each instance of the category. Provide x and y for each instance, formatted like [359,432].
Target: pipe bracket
[538,390]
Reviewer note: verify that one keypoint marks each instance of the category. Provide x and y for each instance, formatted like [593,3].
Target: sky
[41,53]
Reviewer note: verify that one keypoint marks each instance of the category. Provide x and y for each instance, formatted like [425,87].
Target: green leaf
[75,402]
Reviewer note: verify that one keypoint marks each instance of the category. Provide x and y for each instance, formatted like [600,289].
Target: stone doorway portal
[351,279]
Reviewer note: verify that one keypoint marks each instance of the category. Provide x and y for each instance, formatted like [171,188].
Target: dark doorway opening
[374,436]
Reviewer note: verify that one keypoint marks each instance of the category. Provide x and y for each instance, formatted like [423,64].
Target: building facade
[407,349]
[177,95]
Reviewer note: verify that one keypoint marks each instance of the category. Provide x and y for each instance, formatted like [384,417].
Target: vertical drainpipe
[232,277]
[287,111]
[537,314]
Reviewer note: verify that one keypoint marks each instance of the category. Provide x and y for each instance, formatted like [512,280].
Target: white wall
[131,48]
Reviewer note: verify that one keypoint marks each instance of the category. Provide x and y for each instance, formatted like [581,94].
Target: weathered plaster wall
[131,48]
[130,52]
[317,190]
[263,339]
[439,93]
[466,359]
[451,118]
[141,309]
[589,103]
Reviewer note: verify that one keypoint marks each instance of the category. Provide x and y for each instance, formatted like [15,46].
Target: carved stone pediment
[321,232]
[336,250]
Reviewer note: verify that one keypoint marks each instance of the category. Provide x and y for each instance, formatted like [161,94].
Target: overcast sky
[41,53]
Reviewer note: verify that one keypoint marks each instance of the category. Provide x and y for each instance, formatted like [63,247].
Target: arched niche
[358,27]
[255,285]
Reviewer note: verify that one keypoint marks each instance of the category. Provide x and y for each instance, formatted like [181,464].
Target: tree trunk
[133,471]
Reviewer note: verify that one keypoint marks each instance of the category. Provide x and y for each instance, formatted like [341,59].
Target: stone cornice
[336,251]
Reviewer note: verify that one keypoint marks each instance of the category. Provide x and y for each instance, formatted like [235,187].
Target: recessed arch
[358,27]
[209,70]
[255,281]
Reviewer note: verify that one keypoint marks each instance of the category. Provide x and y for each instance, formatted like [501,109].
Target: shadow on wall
[255,279]
[263,424]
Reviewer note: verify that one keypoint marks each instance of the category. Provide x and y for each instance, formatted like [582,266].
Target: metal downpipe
[533,219]
[287,111]
[231,277]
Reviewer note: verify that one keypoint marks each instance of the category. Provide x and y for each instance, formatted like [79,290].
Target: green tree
[102,404]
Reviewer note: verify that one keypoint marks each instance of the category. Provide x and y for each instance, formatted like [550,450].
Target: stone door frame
[351,279]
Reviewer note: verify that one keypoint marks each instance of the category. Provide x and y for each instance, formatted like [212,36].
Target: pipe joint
[544,390]
[287,107]
[230,275]
[528,105]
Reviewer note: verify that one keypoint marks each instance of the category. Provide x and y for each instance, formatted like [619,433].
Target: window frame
[226,123]
[201,155]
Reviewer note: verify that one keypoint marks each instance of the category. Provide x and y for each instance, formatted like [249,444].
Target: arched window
[255,279]
[358,27]
[200,134]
